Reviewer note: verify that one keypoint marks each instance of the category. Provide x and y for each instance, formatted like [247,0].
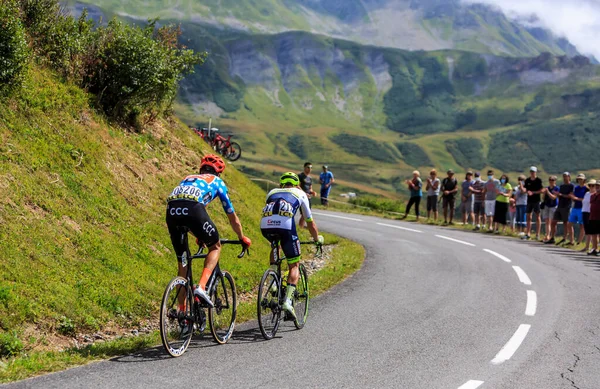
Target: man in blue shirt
[326,179]
[576,216]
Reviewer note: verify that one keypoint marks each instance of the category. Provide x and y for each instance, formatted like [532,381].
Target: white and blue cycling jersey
[282,205]
[203,188]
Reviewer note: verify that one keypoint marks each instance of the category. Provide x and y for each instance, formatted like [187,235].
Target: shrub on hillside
[14,53]
[364,147]
[413,154]
[467,152]
[137,70]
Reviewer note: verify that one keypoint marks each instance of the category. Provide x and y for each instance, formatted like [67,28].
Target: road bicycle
[271,296]
[177,326]
[224,146]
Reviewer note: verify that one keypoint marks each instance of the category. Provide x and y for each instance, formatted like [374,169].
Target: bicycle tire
[175,335]
[235,151]
[301,298]
[222,315]
[267,304]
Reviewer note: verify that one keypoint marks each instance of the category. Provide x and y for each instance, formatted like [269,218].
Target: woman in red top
[595,220]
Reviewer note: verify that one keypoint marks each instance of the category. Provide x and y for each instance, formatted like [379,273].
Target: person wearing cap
[550,204]
[576,216]
[585,212]
[415,185]
[489,190]
[565,194]
[534,187]
[449,188]
[478,201]
[326,179]
[521,198]
[433,191]
[594,226]
[466,197]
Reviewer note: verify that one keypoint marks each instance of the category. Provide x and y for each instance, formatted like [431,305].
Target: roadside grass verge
[346,258]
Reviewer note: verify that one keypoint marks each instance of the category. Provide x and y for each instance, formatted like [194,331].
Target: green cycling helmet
[289,178]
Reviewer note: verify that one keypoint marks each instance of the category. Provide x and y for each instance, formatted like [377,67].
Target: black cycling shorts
[287,239]
[193,215]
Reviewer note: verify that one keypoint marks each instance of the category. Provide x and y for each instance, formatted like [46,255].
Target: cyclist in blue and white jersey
[186,207]
[278,224]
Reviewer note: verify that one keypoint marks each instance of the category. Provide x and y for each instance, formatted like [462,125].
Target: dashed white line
[337,217]
[398,227]
[502,257]
[531,303]
[472,384]
[512,345]
[456,240]
[522,276]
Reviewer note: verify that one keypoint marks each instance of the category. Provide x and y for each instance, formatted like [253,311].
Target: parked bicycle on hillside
[271,296]
[177,326]
[224,146]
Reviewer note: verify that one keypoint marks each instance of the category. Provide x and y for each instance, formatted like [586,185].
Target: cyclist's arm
[236,225]
[312,228]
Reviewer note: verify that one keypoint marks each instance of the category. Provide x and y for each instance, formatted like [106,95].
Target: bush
[364,147]
[14,53]
[379,204]
[413,154]
[10,344]
[467,152]
[137,70]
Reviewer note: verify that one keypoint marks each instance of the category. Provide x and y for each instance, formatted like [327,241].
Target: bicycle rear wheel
[300,298]
[222,316]
[235,151]
[176,325]
[268,308]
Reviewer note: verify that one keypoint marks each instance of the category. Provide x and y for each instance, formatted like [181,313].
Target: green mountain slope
[406,24]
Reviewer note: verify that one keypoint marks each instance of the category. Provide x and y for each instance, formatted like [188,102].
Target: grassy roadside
[347,257]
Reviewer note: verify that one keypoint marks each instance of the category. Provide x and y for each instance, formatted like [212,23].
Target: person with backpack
[449,190]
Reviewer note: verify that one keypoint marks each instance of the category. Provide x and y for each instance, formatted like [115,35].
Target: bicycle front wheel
[176,318]
[301,298]
[222,316]
[268,308]
[235,151]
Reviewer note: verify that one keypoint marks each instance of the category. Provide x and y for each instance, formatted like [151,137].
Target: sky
[577,20]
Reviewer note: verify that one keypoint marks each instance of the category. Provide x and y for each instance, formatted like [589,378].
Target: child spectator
[521,205]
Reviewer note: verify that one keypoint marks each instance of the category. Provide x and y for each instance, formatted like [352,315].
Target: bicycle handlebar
[224,241]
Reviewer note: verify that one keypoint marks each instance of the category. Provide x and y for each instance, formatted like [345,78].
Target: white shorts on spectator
[490,207]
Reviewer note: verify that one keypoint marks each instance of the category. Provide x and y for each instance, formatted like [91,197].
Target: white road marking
[522,276]
[398,227]
[531,303]
[502,257]
[472,384]
[456,240]
[512,345]
[337,217]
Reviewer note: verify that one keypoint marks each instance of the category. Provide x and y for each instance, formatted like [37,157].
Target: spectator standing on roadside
[466,197]
[503,194]
[433,191]
[415,186]
[594,226]
[585,211]
[565,194]
[520,194]
[489,190]
[306,186]
[534,186]
[479,201]
[449,188]
[550,204]
[326,179]
[576,216]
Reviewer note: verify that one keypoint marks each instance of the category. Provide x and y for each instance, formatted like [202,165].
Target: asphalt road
[425,311]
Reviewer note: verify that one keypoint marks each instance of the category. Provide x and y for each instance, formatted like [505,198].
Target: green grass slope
[83,243]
